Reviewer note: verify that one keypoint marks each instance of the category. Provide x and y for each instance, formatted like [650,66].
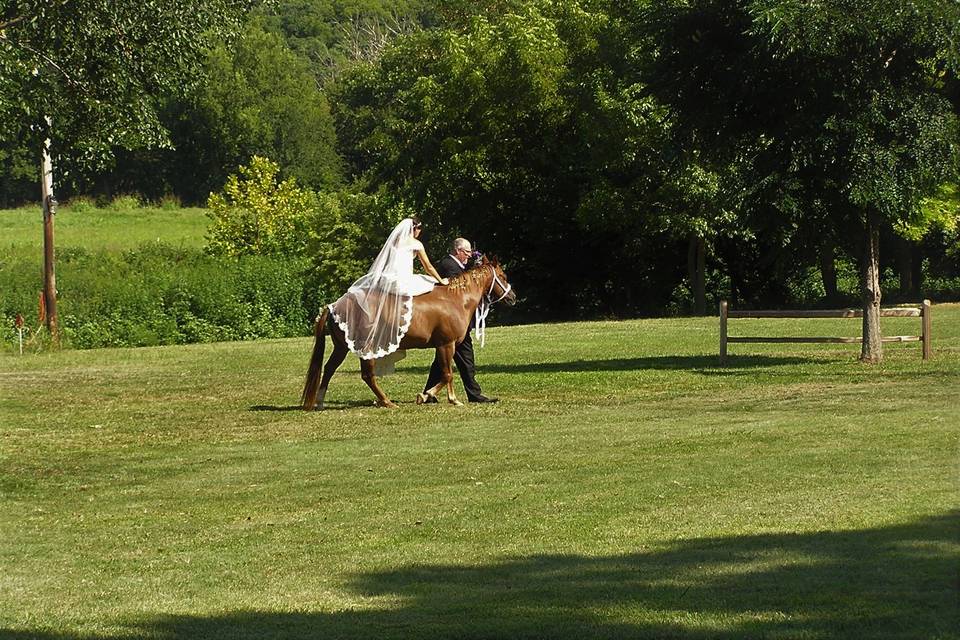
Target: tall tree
[838,102]
[98,69]
[257,98]
[520,130]
[89,75]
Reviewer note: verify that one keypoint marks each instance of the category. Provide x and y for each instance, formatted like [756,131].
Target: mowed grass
[624,487]
[93,229]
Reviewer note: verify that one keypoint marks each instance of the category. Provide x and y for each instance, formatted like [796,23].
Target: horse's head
[500,289]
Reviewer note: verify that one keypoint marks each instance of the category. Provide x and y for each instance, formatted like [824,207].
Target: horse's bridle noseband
[496,280]
[480,316]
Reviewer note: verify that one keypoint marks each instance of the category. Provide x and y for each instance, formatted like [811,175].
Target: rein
[487,301]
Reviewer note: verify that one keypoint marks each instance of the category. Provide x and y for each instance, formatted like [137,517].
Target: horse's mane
[473,273]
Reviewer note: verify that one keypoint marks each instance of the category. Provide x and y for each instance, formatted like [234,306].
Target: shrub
[160,294]
[81,204]
[170,203]
[259,215]
[126,202]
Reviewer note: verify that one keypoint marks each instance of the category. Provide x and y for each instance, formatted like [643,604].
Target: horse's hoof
[386,405]
[456,403]
[422,398]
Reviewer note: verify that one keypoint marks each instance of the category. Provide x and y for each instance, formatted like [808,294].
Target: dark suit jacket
[448,267]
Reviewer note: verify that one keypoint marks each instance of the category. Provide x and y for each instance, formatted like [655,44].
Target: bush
[160,294]
[259,215]
[125,203]
[81,204]
[170,203]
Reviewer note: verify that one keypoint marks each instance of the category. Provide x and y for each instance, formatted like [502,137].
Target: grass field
[109,229]
[624,487]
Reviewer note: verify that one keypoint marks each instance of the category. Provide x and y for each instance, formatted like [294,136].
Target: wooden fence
[922,312]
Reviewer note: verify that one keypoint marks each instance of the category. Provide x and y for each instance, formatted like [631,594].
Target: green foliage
[739,78]
[128,202]
[160,294]
[96,66]
[80,204]
[258,214]
[346,239]
[170,203]
[518,129]
[19,173]
[942,210]
[333,34]
[256,98]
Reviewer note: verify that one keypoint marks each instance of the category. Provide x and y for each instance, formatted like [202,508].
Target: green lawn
[625,487]
[103,228]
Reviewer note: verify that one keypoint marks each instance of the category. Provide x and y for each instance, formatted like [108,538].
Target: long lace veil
[375,312]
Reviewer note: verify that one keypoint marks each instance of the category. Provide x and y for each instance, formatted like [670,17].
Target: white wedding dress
[374,314]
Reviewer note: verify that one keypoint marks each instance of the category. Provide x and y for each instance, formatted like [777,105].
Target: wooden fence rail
[922,312]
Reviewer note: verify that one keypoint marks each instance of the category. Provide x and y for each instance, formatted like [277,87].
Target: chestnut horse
[441,318]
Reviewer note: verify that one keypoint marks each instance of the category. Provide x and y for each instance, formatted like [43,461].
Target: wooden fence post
[723,332]
[926,324]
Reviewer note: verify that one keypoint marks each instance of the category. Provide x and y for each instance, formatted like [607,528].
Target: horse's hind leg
[339,352]
[368,375]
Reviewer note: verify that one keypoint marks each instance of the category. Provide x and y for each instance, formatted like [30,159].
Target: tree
[520,129]
[333,34]
[99,69]
[259,214]
[257,98]
[89,76]
[837,103]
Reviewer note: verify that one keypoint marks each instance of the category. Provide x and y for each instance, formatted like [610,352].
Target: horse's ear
[495,261]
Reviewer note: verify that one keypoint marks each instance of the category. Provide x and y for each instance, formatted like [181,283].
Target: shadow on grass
[661,363]
[894,582]
[269,408]
[330,405]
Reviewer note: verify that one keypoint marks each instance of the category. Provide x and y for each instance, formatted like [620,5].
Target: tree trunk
[872,348]
[49,210]
[697,272]
[828,269]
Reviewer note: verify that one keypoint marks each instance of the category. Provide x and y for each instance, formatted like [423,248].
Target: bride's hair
[416,223]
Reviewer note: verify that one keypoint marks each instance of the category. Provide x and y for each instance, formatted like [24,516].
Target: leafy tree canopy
[99,68]
[839,101]
[257,98]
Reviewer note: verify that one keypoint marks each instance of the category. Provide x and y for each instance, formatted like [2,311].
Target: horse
[441,318]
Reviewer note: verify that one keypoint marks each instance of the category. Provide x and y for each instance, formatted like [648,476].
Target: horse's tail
[312,385]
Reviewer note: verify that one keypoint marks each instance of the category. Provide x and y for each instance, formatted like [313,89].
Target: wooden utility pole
[49,210]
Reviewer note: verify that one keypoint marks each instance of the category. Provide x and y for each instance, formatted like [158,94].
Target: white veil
[375,312]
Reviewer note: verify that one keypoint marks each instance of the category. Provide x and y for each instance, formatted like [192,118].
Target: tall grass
[624,487]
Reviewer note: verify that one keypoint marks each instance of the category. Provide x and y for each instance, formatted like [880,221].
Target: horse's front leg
[445,357]
[366,372]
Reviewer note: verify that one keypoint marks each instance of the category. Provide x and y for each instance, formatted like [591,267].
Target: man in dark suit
[448,267]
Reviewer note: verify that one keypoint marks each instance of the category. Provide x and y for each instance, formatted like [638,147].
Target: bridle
[487,301]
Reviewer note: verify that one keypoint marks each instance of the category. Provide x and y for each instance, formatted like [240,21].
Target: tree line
[622,158]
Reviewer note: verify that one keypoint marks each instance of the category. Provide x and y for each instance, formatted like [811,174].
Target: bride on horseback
[377,319]
[375,312]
